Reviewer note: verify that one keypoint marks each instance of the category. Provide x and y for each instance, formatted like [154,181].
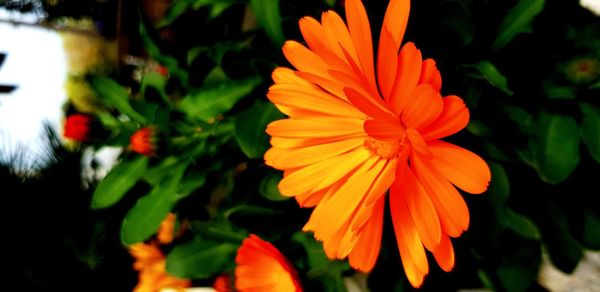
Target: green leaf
[144,218]
[250,129]
[499,188]
[590,129]
[555,145]
[269,17]
[458,18]
[120,179]
[556,91]
[488,71]
[565,252]
[522,225]
[248,210]
[518,20]
[175,10]
[214,100]
[200,259]
[155,174]
[591,226]
[268,187]
[116,96]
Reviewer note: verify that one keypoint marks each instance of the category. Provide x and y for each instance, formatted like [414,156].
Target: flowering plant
[364,134]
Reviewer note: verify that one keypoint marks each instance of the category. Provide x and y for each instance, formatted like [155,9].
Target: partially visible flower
[223,283]
[78,127]
[151,264]
[144,141]
[364,128]
[591,5]
[583,70]
[261,267]
[166,230]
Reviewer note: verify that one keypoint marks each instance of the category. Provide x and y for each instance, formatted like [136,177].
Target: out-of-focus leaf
[247,210]
[500,187]
[556,91]
[329,2]
[175,10]
[191,182]
[200,259]
[268,187]
[219,230]
[143,219]
[269,17]
[486,280]
[209,102]
[555,145]
[565,252]
[595,85]
[458,18]
[519,116]
[156,81]
[155,174]
[120,179]
[520,261]
[250,128]
[116,96]
[590,129]
[591,227]
[518,20]
[317,259]
[487,70]
[521,225]
[155,53]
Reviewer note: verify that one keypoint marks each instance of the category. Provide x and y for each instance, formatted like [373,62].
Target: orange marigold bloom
[78,127]
[151,264]
[144,141]
[261,267]
[357,129]
[166,230]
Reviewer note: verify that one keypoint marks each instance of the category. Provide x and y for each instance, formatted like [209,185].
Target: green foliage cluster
[529,71]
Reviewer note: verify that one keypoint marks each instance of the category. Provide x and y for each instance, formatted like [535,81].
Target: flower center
[385,149]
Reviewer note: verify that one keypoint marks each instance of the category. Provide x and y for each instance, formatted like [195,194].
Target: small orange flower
[151,263]
[144,141]
[223,283]
[78,127]
[358,128]
[261,267]
[166,230]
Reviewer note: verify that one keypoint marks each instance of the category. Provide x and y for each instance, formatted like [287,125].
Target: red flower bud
[143,141]
[78,127]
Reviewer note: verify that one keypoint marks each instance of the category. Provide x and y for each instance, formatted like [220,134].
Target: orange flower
[223,283]
[261,267]
[166,230]
[356,130]
[151,264]
[78,127]
[143,141]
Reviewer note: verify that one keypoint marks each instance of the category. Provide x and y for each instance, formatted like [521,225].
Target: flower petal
[322,174]
[451,207]
[411,248]
[422,210]
[444,253]
[365,252]
[407,76]
[387,62]
[431,75]
[360,31]
[336,30]
[395,20]
[316,127]
[454,117]
[372,107]
[460,166]
[285,158]
[383,130]
[424,107]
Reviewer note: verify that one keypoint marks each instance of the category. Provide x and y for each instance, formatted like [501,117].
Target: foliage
[518,64]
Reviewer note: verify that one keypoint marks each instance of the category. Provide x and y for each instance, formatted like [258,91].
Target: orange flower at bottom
[151,264]
[261,267]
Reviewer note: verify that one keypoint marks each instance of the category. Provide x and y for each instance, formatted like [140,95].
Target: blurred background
[529,70]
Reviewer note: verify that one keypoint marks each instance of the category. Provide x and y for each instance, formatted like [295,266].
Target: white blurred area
[591,5]
[35,62]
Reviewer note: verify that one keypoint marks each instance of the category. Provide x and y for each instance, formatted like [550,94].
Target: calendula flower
[358,128]
[166,230]
[261,267]
[223,283]
[78,127]
[144,141]
[151,263]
